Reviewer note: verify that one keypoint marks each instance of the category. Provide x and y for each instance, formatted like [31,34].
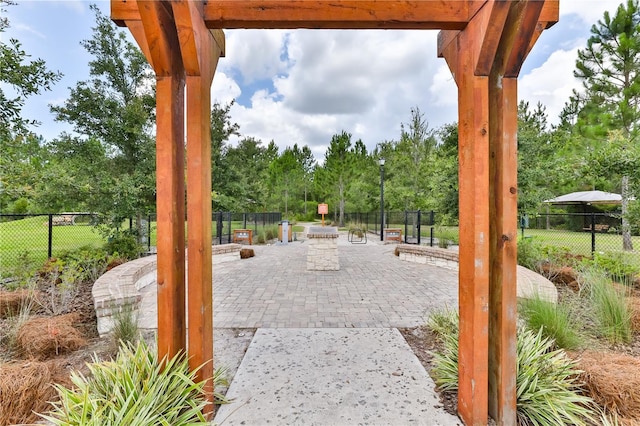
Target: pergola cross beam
[484,43]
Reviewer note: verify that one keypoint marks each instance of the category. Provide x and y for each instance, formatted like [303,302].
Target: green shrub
[618,265]
[553,320]
[133,390]
[125,245]
[547,389]
[530,254]
[612,311]
[23,273]
[88,262]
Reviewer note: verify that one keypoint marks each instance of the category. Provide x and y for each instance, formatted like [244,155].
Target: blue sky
[304,86]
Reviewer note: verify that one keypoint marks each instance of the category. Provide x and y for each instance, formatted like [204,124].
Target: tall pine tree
[609,68]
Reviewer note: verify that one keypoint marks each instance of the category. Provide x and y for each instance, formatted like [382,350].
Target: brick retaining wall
[120,287]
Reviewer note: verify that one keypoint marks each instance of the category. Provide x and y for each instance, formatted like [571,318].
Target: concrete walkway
[326,351]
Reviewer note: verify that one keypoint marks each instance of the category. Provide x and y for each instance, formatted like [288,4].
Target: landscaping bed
[594,329]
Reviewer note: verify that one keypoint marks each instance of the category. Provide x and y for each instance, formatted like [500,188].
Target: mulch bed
[43,338]
[12,302]
[423,342]
[613,381]
[26,387]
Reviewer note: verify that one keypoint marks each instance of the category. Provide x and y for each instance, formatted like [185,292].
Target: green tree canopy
[609,68]
[116,107]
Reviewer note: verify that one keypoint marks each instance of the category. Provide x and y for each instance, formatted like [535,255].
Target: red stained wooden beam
[326,14]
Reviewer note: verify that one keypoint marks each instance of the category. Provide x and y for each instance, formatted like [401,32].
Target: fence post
[406,221]
[593,233]
[431,218]
[419,225]
[229,222]
[50,242]
[244,221]
[219,226]
[148,233]
[431,237]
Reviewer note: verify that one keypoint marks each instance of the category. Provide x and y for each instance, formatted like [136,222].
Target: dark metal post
[244,221]
[50,245]
[149,233]
[381,161]
[431,237]
[419,225]
[406,221]
[593,233]
[431,218]
[229,222]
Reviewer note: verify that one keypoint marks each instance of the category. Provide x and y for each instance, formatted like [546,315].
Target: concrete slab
[332,377]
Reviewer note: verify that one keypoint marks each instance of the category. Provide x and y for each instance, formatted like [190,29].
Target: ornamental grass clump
[613,312]
[133,390]
[553,320]
[548,392]
[125,326]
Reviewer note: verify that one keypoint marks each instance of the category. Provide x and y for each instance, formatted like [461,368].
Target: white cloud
[224,89]
[363,82]
[551,83]
[349,72]
[303,86]
[254,54]
[588,10]
[26,28]
[443,89]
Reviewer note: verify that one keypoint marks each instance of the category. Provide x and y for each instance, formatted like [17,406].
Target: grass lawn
[580,242]
[31,235]
[575,242]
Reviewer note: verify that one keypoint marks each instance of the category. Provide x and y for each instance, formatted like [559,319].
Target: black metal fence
[33,238]
[417,226]
[226,222]
[580,233]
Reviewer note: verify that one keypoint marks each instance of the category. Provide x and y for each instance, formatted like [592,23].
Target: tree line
[108,164]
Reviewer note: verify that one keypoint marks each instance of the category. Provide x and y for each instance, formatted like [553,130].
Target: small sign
[323,208]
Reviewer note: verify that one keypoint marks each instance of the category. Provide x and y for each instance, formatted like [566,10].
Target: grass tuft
[612,311]
[125,326]
[553,320]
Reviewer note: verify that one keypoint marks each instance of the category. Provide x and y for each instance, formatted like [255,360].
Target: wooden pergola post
[200,49]
[183,52]
[485,59]
[484,43]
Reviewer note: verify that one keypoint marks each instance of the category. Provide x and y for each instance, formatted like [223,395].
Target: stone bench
[529,283]
[120,287]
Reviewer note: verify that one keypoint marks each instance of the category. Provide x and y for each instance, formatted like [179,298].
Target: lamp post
[381,161]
